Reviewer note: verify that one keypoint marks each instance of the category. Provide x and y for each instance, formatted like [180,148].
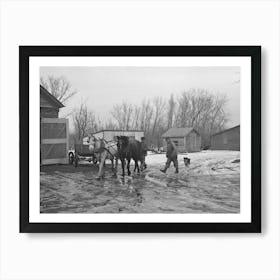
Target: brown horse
[129,149]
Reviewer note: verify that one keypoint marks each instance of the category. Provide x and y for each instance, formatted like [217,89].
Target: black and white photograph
[140,139]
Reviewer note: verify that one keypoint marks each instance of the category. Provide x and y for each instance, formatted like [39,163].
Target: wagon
[81,151]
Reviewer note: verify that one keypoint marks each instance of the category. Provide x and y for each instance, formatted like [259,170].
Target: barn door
[54,141]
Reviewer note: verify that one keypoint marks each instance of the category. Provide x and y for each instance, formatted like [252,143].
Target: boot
[176,171]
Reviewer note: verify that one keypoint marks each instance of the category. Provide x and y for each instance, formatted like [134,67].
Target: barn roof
[178,132]
[226,130]
[54,101]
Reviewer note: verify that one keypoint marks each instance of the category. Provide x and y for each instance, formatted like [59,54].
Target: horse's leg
[122,160]
[128,166]
[113,168]
[101,166]
[141,164]
[116,166]
[135,166]
[136,163]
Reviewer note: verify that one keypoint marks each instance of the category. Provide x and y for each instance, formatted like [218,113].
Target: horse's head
[91,141]
[95,144]
[122,142]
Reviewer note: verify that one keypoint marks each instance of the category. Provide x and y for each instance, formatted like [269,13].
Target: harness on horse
[101,149]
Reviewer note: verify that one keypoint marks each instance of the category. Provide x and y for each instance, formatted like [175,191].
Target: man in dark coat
[171,154]
[144,152]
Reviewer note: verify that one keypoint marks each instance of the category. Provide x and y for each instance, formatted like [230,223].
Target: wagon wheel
[76,160]
[71,158]
[94,160]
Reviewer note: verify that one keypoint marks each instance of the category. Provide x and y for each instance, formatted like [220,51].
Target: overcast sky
[103,87]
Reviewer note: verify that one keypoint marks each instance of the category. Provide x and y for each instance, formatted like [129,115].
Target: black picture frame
[25,52]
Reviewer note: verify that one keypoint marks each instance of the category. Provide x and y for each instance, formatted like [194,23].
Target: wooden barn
[228,139]
[53,130]
[186,139]
[110,135]
[49,105]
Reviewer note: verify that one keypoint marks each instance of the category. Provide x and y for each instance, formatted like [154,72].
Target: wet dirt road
[66,189]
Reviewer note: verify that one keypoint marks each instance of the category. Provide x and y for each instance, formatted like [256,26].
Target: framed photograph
[144,139]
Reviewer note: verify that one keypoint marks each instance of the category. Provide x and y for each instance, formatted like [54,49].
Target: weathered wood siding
[193,142]
[47,112]
[110,135]
[179,142]
[54,138]
[227,140]
[190,143]
[44,102]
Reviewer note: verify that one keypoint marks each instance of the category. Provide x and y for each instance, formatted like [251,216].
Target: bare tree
[170,111]
[202,110]
[146,115]
[123,113]
[59,87]
[93,124]
[83,120]
[109,125]
[159,110]
[136,117]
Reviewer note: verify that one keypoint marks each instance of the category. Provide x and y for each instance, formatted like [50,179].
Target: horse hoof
[98,178]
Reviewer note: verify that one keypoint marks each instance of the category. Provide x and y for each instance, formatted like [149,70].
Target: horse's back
[135,149]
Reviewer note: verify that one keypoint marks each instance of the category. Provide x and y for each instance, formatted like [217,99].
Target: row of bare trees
[201,110]
[196,108]
[149,116]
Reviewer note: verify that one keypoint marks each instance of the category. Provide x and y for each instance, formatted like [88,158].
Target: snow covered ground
[202,163]
[210,184]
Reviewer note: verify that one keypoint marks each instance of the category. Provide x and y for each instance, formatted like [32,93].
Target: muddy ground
[211,184]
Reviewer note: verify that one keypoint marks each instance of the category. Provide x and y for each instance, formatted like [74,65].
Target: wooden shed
[228,139]
[49,105]
[53,130]
[186,139]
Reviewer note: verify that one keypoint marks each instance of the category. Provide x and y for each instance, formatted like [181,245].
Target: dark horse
[129,149]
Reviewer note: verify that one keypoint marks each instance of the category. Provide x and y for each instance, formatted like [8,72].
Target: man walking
[171,155]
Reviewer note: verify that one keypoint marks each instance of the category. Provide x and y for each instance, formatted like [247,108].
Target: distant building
[49,105]
[186,139]
[228,139]
[110,135]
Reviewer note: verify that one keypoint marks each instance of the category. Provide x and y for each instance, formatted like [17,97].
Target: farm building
[186,139]
[111,134]
[49,105]
[228,139]
[54,130]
